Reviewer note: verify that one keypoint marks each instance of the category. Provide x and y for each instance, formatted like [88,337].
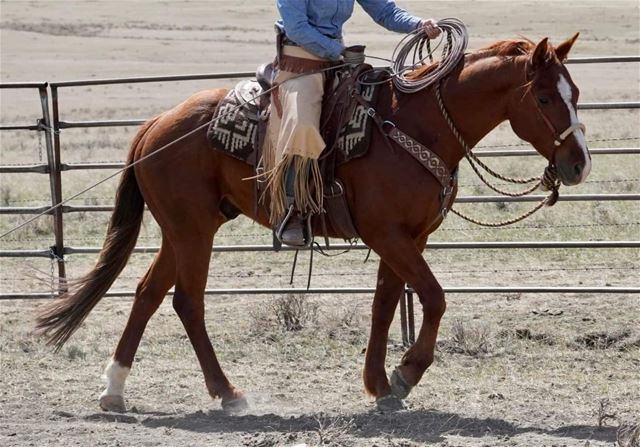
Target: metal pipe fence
[51,125]
[43,124]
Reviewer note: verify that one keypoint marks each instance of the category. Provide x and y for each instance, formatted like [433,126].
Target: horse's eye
[544,100]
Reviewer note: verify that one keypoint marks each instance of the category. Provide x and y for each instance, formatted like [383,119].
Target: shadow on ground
[417,425]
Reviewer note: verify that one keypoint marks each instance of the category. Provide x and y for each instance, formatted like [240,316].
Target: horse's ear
[562,51]
[539,55]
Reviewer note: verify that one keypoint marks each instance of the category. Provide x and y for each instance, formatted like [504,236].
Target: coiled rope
[455,38]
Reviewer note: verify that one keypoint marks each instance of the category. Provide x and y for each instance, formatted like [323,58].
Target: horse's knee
[186,308]
[433,301]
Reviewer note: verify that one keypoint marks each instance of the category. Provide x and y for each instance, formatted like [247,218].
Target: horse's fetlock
[414,360]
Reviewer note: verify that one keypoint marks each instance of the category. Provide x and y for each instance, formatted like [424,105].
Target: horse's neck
[477,101]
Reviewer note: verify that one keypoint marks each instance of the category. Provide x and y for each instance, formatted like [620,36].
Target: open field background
[538,369]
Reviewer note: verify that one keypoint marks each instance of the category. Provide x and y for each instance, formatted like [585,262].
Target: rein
[548,180]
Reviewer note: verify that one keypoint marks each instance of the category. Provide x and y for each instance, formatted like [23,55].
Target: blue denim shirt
[316,25]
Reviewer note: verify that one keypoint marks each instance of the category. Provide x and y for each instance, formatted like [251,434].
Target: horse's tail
[58,320]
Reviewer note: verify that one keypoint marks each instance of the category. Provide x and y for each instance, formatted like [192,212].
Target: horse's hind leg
[192,256]
[151,290]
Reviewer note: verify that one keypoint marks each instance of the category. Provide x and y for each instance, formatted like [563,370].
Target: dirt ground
[510,370]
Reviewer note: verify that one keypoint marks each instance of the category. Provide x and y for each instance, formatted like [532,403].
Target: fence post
[403,318]
[411,325]
[407,320]
[55,177]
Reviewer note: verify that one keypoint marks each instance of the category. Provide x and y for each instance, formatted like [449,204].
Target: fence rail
[496,245]
[354,291]
[461,199]
[51,126]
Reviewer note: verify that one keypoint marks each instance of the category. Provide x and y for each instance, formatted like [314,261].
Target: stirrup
[306,230]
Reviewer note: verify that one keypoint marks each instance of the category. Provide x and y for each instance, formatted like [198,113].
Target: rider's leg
[295,184]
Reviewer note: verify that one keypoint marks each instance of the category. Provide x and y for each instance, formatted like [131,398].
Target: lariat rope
[457,39]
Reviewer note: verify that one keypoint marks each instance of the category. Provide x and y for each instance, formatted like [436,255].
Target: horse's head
[544,113]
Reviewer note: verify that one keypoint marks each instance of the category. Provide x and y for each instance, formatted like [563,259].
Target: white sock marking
[116,376]
[564,88]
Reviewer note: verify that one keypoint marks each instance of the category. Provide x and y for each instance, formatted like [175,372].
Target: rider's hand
[430,27]
[354,55]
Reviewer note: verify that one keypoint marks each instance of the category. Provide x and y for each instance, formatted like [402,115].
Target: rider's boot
[292,229]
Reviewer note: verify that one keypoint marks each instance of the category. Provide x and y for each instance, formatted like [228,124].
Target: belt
[287,41]
[302,65]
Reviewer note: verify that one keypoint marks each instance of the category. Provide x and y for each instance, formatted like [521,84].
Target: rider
[310,39]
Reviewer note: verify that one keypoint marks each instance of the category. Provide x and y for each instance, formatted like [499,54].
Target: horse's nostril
[577,168]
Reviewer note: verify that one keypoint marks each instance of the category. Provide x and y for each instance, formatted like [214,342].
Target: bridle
[558,137]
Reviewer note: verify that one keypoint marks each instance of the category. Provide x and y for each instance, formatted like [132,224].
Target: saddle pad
[238,119]
[235,123]
[354,137]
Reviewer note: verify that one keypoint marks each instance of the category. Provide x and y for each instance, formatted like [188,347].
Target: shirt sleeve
[298,29]
[389,15]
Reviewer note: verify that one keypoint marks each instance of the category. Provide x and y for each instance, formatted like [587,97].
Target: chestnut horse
[394,201]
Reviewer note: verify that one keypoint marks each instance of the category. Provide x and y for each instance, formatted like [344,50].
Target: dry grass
[603,340]
[288,313]
[605,412]
[294,312]
[628,435]
[471,340]
[333,432]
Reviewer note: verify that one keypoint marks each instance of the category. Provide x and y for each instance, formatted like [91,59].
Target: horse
[191,190]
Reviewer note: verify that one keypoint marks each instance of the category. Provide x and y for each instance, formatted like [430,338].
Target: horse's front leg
[404,256]
[388,291]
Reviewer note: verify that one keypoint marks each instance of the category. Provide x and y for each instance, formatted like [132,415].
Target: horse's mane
[502,48]
[508,48]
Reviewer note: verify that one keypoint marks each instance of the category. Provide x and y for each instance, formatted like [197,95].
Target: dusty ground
[535,369]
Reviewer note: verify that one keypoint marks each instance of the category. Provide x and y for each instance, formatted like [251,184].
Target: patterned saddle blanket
[239,122]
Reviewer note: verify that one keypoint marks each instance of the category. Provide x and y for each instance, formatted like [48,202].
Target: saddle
[239,125]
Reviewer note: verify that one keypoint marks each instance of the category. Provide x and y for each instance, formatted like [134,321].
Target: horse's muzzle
[572,173]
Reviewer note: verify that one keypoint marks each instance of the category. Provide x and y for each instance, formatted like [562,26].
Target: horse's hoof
[235,406]
[390,403]
[113,403]
[399,387]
